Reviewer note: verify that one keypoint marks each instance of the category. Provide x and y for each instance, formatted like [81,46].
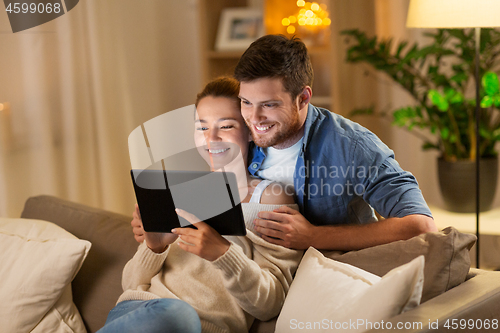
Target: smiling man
[339,170]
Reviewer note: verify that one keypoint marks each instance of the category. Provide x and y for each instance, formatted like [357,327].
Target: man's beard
[284,133]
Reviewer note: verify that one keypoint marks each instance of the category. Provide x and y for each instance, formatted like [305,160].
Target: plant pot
[457,181]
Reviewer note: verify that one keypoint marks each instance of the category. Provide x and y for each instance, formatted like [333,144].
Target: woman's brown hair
[221,87]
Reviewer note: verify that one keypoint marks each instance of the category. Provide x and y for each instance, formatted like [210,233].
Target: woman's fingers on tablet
[188,216]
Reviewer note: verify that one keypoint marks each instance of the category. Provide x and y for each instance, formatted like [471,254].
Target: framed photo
[238,28]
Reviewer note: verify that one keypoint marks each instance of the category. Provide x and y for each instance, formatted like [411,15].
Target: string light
[311,15]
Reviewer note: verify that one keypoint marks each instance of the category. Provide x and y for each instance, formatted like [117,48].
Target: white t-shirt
[279,164]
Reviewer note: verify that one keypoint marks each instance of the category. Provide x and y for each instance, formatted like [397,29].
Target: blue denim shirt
[343,170]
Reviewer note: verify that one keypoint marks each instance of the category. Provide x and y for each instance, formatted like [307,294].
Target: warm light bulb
[302,21]
[309,13]
[285,22]
[301,3]
[327,21]
[309,21]
[290,29]
[292,19]
[314,6]
[302,11]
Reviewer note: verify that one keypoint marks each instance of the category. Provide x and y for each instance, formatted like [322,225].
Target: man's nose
[257,115]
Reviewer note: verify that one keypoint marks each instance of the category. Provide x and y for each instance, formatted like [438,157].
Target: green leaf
[438,100]
[484,133]
[428,145]
[401,46]
[445,133]
[487,102]
[457,98]
[490,83]
[496,134]
[449,93]
[496,100]
[459,78]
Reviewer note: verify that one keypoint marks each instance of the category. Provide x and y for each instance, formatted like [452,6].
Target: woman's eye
[227,126]
[201,128]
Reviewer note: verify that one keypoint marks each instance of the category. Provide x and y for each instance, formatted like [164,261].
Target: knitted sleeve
[258,278]
[142,267]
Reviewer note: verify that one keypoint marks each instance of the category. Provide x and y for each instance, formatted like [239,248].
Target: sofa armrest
[477,298]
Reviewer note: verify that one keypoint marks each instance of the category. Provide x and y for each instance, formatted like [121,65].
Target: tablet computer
[211,196]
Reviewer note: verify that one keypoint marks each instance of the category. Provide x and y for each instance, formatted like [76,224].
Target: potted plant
[439,77]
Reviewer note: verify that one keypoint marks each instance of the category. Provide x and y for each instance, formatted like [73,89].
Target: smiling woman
[248,276]
[220,131]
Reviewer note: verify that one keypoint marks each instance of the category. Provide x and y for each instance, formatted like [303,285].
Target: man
[339,170]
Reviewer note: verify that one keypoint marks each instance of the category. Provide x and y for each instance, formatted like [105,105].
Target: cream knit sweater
[249,281]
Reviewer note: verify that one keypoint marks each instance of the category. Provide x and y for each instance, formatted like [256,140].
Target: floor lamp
[459,14]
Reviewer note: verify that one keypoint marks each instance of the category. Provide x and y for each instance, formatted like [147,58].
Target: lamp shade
[453,14]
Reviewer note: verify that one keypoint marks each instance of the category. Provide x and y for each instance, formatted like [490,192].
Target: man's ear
[305,97]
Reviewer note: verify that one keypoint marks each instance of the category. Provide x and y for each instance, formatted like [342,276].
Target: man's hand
[204,241]
[286,227]
[156,241]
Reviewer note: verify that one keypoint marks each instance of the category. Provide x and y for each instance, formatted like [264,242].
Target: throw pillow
[327,295]
[446,253]
[39,261]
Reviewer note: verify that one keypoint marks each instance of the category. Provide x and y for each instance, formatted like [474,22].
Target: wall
[78,85]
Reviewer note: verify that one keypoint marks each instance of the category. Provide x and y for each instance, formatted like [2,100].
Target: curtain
[78,85]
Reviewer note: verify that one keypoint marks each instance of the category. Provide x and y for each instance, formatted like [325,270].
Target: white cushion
[39,261]
[327,295]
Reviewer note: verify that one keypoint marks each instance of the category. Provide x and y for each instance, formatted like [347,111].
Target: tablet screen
[211,196]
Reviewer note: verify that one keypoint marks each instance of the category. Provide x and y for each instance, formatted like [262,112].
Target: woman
[228,281]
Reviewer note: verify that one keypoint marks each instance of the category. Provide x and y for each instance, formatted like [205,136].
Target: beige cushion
[446,255]
[39,261]
[328,295]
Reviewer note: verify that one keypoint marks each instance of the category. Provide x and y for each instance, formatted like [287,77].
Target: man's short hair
[276,56]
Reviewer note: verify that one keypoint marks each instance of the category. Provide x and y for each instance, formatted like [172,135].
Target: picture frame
[238,28]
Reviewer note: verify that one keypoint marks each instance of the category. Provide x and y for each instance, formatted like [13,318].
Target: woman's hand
[136,224]
[204,241]
[156,241]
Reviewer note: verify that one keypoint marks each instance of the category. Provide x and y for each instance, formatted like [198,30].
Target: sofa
[96,286]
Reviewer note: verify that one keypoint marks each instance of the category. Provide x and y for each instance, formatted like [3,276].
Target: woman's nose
[213,136]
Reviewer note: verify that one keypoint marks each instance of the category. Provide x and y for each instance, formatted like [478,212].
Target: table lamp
[459,14]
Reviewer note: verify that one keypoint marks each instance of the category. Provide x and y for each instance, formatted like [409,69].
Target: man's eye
[269,105]
[201,128]
[227,126]
[245,102]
